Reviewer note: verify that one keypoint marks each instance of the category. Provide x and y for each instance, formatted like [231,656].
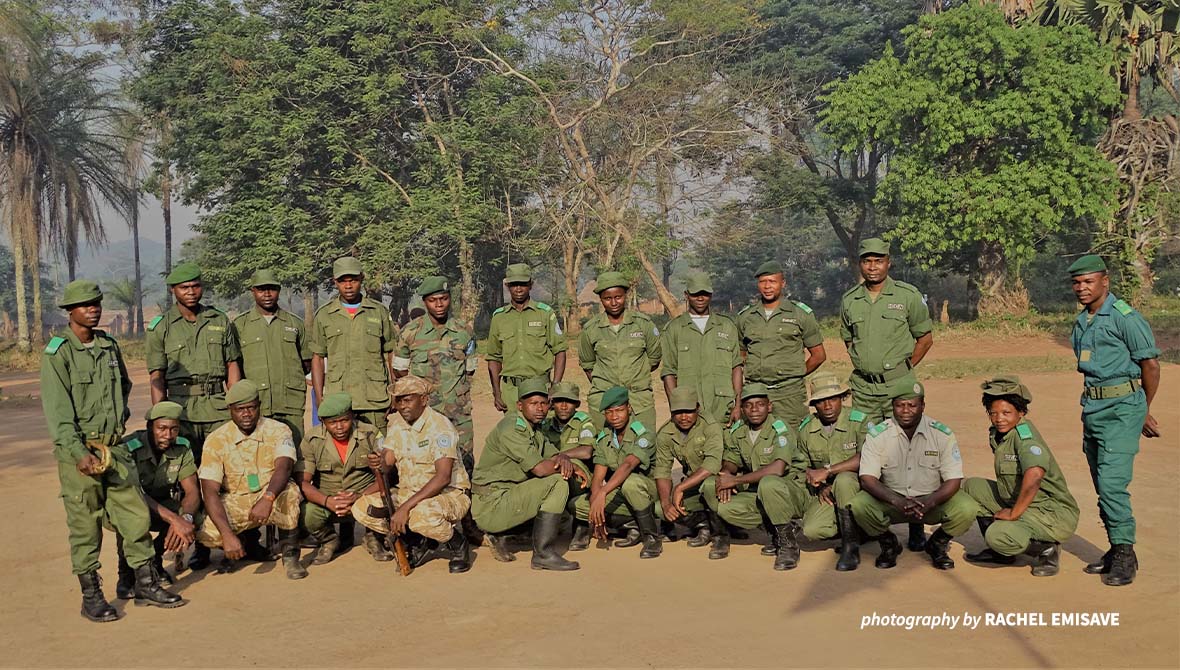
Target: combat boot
[649,532]
[545,556]
[890,550]
[375,545]
[460,552]
[937,547]
[288,542]
[125,587]
[1123,565]
[149,592]
[581,539]
[329,544]
[917,540]
[786,538]
[200,559]
[94,605]
[632,536]
[720,532]
[1048,556]
[988,555]
[849,545]
[699,521]
[498,543]
[1101,566]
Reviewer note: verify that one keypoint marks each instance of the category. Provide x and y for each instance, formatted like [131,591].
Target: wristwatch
[187,517]
[269,496]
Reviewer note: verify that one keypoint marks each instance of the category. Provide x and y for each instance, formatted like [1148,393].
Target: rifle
[392,542]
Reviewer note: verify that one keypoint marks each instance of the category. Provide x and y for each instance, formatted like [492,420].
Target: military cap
[334,405]
[533,386]
[1087,264]
[263,278]
[873,246]
[434,284]
[682,399]
[698,283]
[165,409]
[825,385]
[611,279]
[755,390]
[566,391]
[518,273]
[1006,385]
[416,307]
[186,271]
[768,268]
[614,397]
[906,388]
[243,391]
[410,385]
[79,292]
[345,266]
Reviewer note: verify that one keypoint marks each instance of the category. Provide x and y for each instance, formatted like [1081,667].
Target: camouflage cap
[614,397]
[533,386]
[905,388]
[768,268]
[186,271]
[825,385]
[873,246]
[1087,264]
[343,267]
[165,409]
[518,273]
[755,390]
[241,392]
[566,391]
[698,283]
[410,385]
[434,284]
[682,399]
[608,280]
[263,278]
[1006,385]
[334,405]
[79,292]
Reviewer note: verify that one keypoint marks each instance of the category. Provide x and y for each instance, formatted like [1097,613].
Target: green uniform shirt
[355,347]
[880,334]
[160,473]
[619,358]
[272,356]
[525,340]
[776,441]
[511,451]
[701,447]
[330,474]
[443,354]
[1023,448]
[774,344]
[194,356]
[579,431]
[635,441]
[821,449]
[84,393]
[1109,348]
[702,361]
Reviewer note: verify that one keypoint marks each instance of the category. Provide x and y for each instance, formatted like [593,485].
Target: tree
[126,295]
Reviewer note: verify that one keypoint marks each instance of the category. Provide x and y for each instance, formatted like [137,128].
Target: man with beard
[702,351]
[524,340]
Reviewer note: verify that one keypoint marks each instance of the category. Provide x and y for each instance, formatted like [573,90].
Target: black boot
[1048,556]
[917,541]
[649,532]
[786,538]
[94,605]
[545,556]
[200,559]
[1123,565]
[149,592]
[890,550]
[288,541]
[1101,566]
[988,555]
[581,539]
[720,532]
[699,521]
[460,552]
[849,545]
[632,536]
[329,544]
[498,543]
[254,547]
[125,587]
[937,547]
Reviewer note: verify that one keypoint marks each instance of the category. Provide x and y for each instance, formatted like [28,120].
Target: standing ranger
[524,340]
[1119,360]
[702,351]
[84,391]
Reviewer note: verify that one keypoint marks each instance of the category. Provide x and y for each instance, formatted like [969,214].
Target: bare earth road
[680,610]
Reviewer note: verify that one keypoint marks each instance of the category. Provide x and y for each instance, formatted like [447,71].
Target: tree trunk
[18,261]
[166,206]
[136,325]
[71,242]
[467,292]
[308,305]
[1141,264]
[33,258]
[999,294]
[571,266]
[1131,111]
[672,306]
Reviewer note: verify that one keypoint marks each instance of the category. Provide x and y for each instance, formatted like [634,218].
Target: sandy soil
[680,610]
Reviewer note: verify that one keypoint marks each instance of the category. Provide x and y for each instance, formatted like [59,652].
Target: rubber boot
[1101,566]
[288,541]
[917,540]
[849,544]
[890,550]
[581,539]
[631,538]
[699,521]
[786,537]
[545,556]
[649,532]
[375,545]
[460,552]
[94,605]
[498,543]
[149,592]
[988,555]
[720,533]
[1123,565]
[937,547]
[200,559]
[329,544]
[125,587]
[1047,555]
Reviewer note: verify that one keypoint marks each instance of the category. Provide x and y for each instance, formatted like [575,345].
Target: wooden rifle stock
[393,542]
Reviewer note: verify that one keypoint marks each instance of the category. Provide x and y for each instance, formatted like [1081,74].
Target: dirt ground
[679,610]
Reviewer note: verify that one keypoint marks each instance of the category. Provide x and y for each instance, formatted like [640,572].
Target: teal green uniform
[622,356]
[824,447]
[274,353]
[779,498]
[524,341]
[355,348]
[701,447]
[579,431]
[505,492]
[703,361]
[638,490]
[1109,348]
[1053,514]
[774,346]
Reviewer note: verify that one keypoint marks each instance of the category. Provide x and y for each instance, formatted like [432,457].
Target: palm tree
[132,128]
[125,294]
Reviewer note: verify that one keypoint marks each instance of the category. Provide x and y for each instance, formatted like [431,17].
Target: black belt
[885,377]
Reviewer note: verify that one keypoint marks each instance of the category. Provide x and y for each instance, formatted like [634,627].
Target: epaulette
[778,426]
[744,309]
[133,444]
[521,423]
[155,322]
[638,428]
[857,416]
[736,424]
[54,345]
[1123,307]
[543,307]
[906,286]
[580,416]
[183,441]
[940,426]
[803,306]
[1024,431]
[601,434]
[877,429]
[805,421]
[500,310]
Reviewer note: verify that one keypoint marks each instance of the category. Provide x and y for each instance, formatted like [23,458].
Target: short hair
[1016,401]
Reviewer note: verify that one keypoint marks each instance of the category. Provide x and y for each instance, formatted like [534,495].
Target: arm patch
[54,345]
[580,416]
[155,322]
[1024,431]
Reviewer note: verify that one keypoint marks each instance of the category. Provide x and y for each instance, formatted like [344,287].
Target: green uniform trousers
[295,423]
[637,492]
[693,501]
[873,399]
[781,499]
[875,516]
[377,418]
[575,486]
[819,518]
[159,526]
[113,497]
[789,400]
[317,518]
[502,506]
[1012,537]
[1110,440]
[196,432]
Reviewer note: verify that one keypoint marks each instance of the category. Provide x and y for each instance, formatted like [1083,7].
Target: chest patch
[723,335]
[931,453]
[217,329]
[536,324]
[636,334]
[1009,457]
[767,450]
[896,305]
[291,329]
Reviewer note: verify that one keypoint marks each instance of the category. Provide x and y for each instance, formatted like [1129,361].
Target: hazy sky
[151,223]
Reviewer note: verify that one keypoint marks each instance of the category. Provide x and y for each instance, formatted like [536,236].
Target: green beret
[1087,264]
[698,283]
[518,273]
[873,246]
[612,279]
[183,272]
[1006,385]
[768,268]
[434,284]
[755,390]
[682,399]
[334,405]
[614,397]
[243,391]
[533,386]
[263,278]
[566,391]
[79,292]
[905,388]
[165,409]
[343,267]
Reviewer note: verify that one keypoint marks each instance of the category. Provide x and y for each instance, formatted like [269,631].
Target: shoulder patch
[877,429]
[804,307]
[521,423]
[1024,431]
[778,426]
[745,309]
[133,444]
[638,428]
[155,322]
[1123,307]
[183,441]
[736,424]
[857,416]
[543,307]
[941,427]
[805,422]
[500,310]
[54,345]
[580,416]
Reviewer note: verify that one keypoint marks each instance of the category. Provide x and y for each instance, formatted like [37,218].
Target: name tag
[1010,457]
[217,329]
[723,335]
[767,450]
[536,324]
[848,446]
[931,453]
[291,329]
[786,320]
[253,483]
[424,443]
[636,334]
[896,305]
[373,320]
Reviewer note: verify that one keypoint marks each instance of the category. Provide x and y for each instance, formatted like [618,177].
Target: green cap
[518,273]
[566,391]
[345,266]
[1006,385]
[905,388]
[165,409]
[186,271]
[826,385]
[1087,264]
[682,399]
[768,268]
[243,391]
[263,278]
[334,405]
[434,284]
[698,283]
[874,246]
[614,397]
[755,390]
[611,279]
[79,292]
[533,386]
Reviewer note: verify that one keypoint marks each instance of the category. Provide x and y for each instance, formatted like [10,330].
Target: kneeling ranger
[693,439]
[571,432]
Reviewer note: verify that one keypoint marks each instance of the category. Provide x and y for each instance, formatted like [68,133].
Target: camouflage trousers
[434,518]
[284,514]
[458,412]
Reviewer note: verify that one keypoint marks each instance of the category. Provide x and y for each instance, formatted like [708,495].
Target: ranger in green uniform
[695,441]
[275,354]
[514,482]
[830,441]
[702,351]
[354,335]
[524,340]
[761,480]
[775,332]
[1119,360]
[570,431]
[619,347]
[1028,505]
[84,391]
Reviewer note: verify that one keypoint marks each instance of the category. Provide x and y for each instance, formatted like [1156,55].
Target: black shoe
[545,532]
[631,538]
[786,537]
[849,544]
[917,541]
[125,587]
[890,550]
[1123,565]
[161,573]
[1047,555]
[649,534]
[460,553]
[288,542]
[200,559]
[94,605]
[1101,566]
[988,555]
[325,551]
[937,547]
[498,543]
[581,539]
[720,532]
[699,522]
[149,592]
[770,548]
